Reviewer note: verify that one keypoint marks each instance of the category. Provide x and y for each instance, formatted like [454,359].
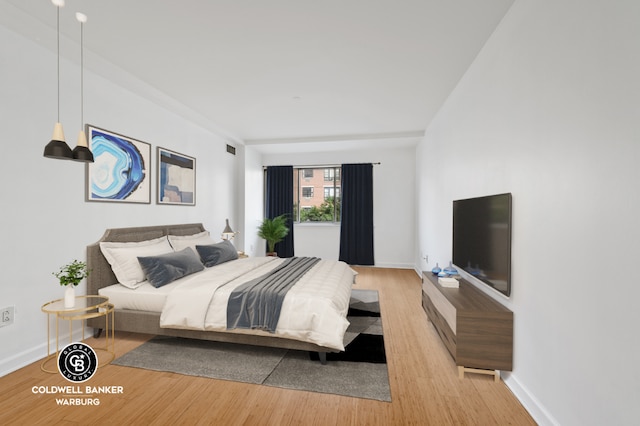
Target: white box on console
[448,282]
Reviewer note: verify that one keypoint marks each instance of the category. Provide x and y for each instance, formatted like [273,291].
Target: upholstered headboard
[101,274]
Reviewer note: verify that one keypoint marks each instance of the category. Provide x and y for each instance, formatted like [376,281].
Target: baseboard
[36,353]
[22,359]
[530,402]
[395,265]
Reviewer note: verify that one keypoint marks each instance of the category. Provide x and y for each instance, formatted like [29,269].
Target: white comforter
[314,310]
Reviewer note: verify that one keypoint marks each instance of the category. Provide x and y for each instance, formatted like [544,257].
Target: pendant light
[58,147]
[81,152]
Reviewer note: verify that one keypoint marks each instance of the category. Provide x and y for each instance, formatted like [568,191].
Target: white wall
[318,239]
[549,111]
[254,203]
[393,204]
[45,220]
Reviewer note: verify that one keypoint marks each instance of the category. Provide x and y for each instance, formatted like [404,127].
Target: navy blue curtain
[356,223]
[279,201]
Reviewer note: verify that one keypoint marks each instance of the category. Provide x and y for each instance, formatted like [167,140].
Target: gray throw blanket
[257,303]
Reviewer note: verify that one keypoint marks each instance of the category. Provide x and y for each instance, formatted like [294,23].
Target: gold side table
[85,307]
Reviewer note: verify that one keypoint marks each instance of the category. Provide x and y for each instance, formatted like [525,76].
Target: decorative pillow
[218,253]
[179,242]
[165,268]
[123,258]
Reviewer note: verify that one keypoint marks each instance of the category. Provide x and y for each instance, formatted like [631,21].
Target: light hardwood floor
[425,388]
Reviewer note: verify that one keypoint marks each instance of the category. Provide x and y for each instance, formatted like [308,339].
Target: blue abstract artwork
[119,172]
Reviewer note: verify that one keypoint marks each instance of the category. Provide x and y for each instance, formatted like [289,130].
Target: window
[331,191]
[317,194]
[331,174]
[307,191]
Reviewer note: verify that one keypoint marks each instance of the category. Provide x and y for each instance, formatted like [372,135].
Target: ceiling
[271,72]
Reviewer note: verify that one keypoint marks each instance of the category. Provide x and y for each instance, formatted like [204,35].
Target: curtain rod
[320,166]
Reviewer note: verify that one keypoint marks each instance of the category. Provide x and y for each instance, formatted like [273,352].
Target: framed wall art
[121,168]
[176,178]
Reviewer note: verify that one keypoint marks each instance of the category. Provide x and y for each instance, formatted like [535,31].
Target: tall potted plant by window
[273,230]
[70,276]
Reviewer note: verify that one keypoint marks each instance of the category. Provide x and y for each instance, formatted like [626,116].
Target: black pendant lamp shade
[58,148]
[81,152]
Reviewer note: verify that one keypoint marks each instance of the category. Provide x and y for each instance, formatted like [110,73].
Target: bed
[314,310]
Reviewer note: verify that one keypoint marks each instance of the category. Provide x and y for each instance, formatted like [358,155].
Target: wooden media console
[476,330]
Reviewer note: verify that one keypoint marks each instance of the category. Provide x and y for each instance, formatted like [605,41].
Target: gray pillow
[215,254]
[165,268]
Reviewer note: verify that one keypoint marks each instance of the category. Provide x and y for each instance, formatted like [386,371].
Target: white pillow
[180,242]
[123,258]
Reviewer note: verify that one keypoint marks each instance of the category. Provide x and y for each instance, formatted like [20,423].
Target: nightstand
[85,307]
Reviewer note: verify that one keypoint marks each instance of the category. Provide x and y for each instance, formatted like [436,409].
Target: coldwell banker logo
[77,362]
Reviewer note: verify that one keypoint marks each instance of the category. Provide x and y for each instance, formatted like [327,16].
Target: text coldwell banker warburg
[77,395]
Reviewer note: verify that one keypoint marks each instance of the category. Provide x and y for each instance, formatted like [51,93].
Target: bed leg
[323,358]
[97,332]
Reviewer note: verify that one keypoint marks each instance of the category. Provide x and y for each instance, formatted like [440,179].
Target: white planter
[70,296]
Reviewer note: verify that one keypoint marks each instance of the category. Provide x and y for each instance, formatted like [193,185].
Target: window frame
[301,180]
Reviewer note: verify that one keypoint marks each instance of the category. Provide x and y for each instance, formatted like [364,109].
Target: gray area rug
[281,367]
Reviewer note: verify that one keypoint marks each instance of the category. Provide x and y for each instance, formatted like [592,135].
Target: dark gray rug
[360,371]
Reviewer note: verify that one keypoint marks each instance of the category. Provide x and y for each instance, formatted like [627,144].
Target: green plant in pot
[273,230]
[70,276]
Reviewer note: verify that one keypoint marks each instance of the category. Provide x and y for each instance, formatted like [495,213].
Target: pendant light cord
[58,47]
[81,75]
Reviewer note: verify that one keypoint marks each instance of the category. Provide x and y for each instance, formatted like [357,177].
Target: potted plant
[273,230]
[70,276]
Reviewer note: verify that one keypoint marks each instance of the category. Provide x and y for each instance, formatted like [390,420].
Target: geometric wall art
[176,178]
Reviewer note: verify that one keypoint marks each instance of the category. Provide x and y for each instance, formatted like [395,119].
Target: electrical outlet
[6,315]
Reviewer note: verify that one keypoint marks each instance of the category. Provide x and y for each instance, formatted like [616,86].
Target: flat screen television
[482,239]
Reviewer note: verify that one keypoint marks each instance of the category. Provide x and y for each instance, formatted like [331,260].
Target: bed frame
[145,322]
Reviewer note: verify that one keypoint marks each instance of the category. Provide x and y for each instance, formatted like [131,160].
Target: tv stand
[476,330]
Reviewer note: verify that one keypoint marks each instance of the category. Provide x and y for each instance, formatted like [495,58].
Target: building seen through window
[316,194]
